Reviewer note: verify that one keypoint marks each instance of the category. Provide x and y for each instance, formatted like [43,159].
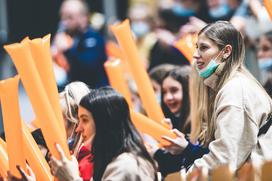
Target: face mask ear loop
[220,53]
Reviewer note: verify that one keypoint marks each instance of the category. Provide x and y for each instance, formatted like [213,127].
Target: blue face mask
[265,63]
[208,70]
[219,11]
[179,10]
[140,28]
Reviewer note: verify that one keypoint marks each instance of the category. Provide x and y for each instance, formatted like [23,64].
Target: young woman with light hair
[231,111]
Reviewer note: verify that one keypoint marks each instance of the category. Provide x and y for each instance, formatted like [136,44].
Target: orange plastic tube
[113,50]
[40,50]
[115,74]
[268,7]
[146,125]
[24,63]
[186,45]
[4,165]
[123,34]
[12,123]
[35,157]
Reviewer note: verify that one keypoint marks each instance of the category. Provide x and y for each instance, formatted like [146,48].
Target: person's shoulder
[127,166]
[127,159]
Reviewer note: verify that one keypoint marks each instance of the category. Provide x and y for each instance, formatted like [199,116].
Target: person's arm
[191,153]
[182,154]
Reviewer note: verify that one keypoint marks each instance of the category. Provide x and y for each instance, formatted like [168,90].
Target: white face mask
[265,63]
[219,11]
[140,28]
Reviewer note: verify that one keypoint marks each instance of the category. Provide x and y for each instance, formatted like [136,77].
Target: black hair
[181,75]
[115,133]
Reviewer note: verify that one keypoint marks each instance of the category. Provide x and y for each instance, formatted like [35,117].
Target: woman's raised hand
[178,144]
[25,176]
[167,121]
[64,169]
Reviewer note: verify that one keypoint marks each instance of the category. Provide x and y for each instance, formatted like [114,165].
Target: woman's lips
[200,65]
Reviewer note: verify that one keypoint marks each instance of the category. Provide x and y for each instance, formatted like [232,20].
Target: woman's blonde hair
[222,33]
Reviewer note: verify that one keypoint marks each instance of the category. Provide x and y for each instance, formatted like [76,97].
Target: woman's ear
[227,51]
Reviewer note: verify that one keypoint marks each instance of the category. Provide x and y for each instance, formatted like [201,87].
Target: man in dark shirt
[86,54]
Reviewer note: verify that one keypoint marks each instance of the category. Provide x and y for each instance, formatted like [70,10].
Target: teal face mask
[208,70]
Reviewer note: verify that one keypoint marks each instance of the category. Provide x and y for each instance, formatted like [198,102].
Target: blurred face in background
[264,54]
[140,16]
[172,94]
[264,49]
[74,16]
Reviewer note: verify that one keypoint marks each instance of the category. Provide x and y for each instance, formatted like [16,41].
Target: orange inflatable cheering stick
[186,45]
[268,7]
[12,124]
[53,133]
[123,34]
[40,50]
[115,74]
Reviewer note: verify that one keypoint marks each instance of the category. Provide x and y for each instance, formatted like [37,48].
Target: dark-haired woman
[119,153]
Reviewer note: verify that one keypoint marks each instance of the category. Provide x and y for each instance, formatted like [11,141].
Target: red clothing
[85,163]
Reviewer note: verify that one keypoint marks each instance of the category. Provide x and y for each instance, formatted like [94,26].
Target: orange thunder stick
[115,74]
[123,34]
[12,124]
[40,50]
[268,7]
[22,58]
[186,45]
[146,125]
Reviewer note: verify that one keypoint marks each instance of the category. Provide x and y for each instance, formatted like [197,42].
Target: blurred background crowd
[80,35]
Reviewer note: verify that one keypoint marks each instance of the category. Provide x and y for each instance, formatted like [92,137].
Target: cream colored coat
[240,109]
[126,167]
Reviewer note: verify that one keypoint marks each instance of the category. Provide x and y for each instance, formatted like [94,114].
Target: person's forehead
[71,7]
[203,39]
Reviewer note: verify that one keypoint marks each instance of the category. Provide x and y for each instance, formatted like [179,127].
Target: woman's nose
[196,55]
[79,128]
[168,96]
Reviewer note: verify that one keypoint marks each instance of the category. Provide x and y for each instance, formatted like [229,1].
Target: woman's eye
[173,90]
[203,48]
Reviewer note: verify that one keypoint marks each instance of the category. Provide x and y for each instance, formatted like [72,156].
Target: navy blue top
[169,163]
[86,58]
